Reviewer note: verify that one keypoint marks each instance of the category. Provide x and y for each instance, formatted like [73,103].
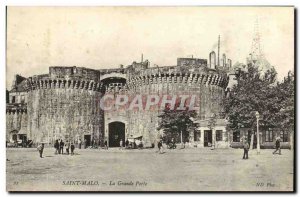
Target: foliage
[175,121]
[256,92]
[286,93]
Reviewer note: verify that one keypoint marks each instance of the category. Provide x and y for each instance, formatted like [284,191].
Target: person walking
[121,144]
[61,146]
[134,144]
[94,144]
[127,143]
[105,145]
[59,140]
[140,146]
[246,149]
[40,148]
[56,146]
[79,143]
[277,145]
[159,145]
[84,144]
[72,148]
[173,144]
[68,147]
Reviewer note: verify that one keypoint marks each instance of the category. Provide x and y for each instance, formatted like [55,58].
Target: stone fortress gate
[65,103]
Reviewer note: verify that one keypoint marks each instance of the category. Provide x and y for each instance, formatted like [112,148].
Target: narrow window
[219,135]
[284,136]
[22,99]
[197,136]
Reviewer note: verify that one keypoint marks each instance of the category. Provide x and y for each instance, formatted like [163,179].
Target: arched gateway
[116,132]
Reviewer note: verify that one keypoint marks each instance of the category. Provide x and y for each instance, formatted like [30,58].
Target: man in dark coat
[246,149]
[277,145]
[59,140]
[61,146]
[72,148]
[79,143]
[105,145]
[56,146]
[126,143]
[160,146]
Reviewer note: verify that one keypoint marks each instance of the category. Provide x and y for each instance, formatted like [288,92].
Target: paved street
[138,170]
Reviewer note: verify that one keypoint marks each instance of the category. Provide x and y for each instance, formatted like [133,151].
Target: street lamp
[211,126]
[258,144]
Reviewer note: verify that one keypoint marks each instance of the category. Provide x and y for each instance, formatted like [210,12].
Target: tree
[253,92]
[286,93]
[285,118]
[177,122]
[261,92]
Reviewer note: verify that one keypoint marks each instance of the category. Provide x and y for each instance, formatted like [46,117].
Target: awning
[22,131]
[135,137]
[14,131]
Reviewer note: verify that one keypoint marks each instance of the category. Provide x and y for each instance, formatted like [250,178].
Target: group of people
[247,147]
[59,147]
[170,145]
[131,145]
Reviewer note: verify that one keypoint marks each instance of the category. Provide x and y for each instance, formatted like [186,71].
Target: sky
[105,37]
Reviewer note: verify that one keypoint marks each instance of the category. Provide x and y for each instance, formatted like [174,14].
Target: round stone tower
[65,105]
[207,84]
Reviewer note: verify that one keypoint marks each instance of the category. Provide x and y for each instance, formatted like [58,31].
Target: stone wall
[206,84]
[16,122]
[66,102]
[60,108]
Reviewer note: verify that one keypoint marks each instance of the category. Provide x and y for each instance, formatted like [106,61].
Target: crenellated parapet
[175,78]
[64,84]
[16,109]
[116,88]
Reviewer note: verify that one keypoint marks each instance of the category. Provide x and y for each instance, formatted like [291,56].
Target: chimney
[229,63]
[219,51]
[212,60]
[224,60]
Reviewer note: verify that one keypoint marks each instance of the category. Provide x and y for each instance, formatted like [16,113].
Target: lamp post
[181,137]
[211,126]
[258,144]
[181,134]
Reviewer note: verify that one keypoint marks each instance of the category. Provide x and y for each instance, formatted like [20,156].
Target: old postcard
[150,99]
